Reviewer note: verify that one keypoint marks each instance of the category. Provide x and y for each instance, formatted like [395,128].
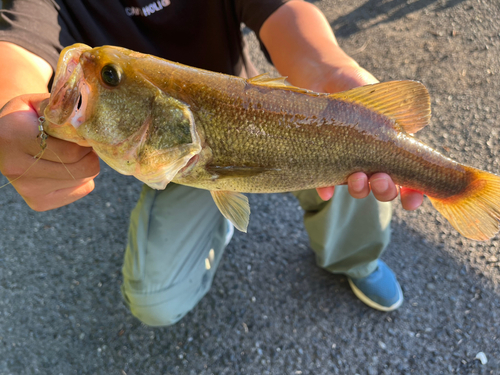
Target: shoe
[379,290]
[229,232]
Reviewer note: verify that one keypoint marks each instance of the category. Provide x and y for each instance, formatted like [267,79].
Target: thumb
[34,103]
[37,102]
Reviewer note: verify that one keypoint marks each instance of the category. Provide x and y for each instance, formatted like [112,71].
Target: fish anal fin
[235,171]
[406,102]
[234,207]
[475,212]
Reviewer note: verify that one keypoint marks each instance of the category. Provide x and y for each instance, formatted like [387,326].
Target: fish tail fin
[475,212]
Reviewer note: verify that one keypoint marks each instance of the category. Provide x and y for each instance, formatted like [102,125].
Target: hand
[359,184]
[48,184]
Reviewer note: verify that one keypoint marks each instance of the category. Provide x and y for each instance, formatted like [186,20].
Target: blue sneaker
[379,290]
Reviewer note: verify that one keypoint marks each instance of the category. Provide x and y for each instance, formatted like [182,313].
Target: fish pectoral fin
[165,174]
[406,102]
[234,171]
[161,167]
[234,207]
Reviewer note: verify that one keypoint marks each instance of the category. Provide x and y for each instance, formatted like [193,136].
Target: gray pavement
[271,310]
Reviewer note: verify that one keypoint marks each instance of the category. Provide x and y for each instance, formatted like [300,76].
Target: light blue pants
[177,238]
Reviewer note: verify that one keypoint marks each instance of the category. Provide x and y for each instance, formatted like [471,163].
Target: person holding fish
[177,235]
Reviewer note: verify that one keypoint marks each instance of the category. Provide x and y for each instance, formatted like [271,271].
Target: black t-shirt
[201,33]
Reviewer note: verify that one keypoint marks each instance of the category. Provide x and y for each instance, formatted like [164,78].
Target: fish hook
[43,136]
[43,144]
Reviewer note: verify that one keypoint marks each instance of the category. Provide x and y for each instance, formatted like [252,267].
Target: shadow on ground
[375,12]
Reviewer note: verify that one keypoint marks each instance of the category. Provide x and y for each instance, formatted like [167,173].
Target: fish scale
[309,155]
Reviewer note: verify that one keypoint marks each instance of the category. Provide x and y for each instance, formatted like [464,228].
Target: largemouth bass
[161,121]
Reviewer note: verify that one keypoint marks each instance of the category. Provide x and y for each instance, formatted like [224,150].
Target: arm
[35,72]
[303,47]
[47,185]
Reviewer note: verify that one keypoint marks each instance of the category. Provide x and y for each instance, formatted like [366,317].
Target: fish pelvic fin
[234,207]
[406,102]
[476,211]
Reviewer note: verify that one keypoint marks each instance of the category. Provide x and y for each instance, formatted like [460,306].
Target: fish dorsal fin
[234,207]
[275,82]
[266,80]
[406,102]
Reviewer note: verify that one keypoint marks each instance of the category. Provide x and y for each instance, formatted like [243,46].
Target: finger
[23,134]
[61,197]
[357,184]
[67,152]
[411,199]
[37,102]
[31,103]
[59,150]
[35,189]
[29,167]
[383,187]
[325,193]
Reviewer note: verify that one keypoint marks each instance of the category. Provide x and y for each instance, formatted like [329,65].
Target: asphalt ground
[270,309]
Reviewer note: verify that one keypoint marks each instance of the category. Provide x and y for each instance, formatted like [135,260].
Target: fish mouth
[70,92]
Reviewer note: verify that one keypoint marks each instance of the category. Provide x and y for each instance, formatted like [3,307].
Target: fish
[163,122]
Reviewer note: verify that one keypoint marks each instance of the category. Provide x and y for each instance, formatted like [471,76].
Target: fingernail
[357,185]
[380,184]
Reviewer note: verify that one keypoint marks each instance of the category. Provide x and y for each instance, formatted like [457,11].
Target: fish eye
[111,75]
